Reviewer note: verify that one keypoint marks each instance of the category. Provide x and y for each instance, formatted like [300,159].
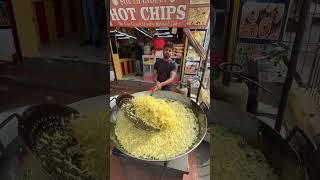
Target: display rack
[195,67]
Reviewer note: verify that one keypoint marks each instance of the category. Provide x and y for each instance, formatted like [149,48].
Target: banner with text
[193,14]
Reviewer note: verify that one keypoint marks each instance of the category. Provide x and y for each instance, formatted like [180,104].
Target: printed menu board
[192,68]
[262,20]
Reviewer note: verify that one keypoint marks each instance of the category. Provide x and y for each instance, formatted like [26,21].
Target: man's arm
[155,75]
[170,80]
[155,72]
[173,74]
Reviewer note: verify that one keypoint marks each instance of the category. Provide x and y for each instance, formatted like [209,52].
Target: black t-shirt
[164,69]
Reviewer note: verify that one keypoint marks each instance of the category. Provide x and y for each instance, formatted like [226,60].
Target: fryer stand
[181,164]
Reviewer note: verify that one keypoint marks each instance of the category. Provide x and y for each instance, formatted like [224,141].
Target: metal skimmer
[124,102]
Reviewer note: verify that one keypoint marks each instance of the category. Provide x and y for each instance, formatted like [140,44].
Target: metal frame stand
[176,164]
[292,63]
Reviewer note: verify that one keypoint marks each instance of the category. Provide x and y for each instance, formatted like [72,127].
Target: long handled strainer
[124,102]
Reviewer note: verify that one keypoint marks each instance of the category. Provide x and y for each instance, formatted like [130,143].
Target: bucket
[159,43]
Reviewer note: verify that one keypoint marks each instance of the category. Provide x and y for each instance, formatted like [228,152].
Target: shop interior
[191,66]
[193,74]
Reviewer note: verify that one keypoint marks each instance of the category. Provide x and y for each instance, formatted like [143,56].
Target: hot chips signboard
[160,13]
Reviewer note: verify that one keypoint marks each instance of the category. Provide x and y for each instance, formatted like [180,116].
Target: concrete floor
[128,86]
[38,80]
[132,77]
[69,48]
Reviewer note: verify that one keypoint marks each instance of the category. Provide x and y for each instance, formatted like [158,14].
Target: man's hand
[168,81]
[159,85]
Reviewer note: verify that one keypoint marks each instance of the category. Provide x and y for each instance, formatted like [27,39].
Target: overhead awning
[192,14]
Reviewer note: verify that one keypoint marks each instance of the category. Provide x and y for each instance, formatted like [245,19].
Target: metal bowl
[199,113]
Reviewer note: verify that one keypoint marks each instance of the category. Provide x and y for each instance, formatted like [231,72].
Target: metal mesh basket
[46,131]
[44,118]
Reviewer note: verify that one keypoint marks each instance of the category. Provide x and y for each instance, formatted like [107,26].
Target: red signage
[160,13]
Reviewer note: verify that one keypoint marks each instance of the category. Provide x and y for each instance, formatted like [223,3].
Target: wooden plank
[66,16]
[79,17]
[133,66]
[122,68]
[117,66]
[130,67]
[49,7]
[72,14]
[59,18]
[125,67]
[125,59]
[41,21]
[23,14]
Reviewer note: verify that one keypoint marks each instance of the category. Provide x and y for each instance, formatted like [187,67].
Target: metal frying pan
[199,113]
[279,153]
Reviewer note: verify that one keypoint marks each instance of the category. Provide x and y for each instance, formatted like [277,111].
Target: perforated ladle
[124,102]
